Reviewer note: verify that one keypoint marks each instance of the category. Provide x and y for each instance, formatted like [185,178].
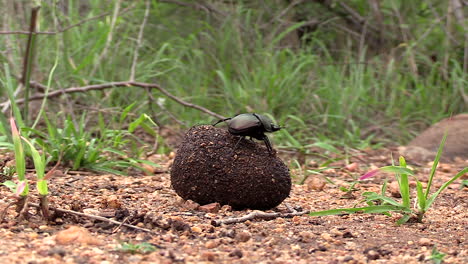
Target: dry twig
[139,40]
[109,38]
[21,32]
[256,215]
[100,218]
[104,86]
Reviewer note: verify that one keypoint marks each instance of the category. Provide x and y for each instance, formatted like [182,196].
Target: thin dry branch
[104,86]
[109,38]
[256,215]
[139,41]
[21,32]
[100,218]
[201,6]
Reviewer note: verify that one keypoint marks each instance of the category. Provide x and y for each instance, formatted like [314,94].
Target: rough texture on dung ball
[207,169]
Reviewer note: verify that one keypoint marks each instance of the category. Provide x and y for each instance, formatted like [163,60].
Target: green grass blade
[11,96]
[434,196]
[367,209]
[42,187]
[19,151]
[421,196]
[404,184]
[39,161]
[372,196]
[434,165]
[10,185]
[403,219]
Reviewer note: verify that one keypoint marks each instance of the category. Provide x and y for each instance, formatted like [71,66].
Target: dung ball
[209,167]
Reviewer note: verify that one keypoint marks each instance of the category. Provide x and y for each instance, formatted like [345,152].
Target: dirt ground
[182,232]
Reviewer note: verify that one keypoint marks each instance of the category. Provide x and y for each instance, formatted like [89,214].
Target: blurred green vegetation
[348,73]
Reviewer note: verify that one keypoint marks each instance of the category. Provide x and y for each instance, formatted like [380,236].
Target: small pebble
[196,229]
[327,237]
[425,242]
[243,236]
[394,189]
[208,256]
[315,184]
[236,253]
[373,255]
[210,208]
[352,167]
[211,244]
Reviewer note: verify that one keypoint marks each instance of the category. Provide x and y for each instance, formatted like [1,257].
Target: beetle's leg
[235,146]
[268,144]
[222,120]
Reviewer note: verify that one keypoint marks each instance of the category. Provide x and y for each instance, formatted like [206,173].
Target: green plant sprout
[140,248]
[437,257]
[379,203]
[39,165]
[81,150]
[20,189]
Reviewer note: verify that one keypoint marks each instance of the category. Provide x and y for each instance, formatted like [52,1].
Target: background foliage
[352,73]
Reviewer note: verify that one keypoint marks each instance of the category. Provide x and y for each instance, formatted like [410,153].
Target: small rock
[295,247]
[394,189]
[208,256]
[226,208]
[210,208]
[425,242]
[372,254]
[134,259]
[191,205]
[56,251]
[306,235]
[335,232]
[445,167]
[76,234]
[322,247]
[327,237]
[243,236]
[352,167]
[33,235]
[236,253]
[211,244]
[347,234]
[315,184]
[91,211]
[196,229]
[179,225]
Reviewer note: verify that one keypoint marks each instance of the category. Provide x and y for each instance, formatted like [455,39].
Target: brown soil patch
[182,233]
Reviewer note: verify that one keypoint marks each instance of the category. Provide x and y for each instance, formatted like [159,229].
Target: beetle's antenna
[222,120]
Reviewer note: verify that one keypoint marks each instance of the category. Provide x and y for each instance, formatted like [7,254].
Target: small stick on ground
[118,227]
[4,212]
[22,207]
[256,215]
[100,218]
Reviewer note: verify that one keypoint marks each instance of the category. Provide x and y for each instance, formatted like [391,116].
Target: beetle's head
[275,127]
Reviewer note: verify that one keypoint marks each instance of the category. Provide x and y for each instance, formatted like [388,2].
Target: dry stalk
[256,215]
[100,218]
[104,86]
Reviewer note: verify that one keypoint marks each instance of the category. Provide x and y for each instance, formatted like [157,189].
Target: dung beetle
[251,125]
